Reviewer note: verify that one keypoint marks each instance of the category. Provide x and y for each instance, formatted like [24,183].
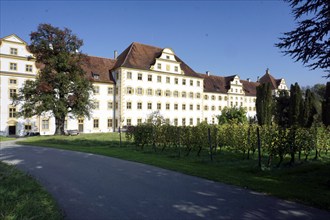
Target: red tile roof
[98,66]
[267,78]
[141,56]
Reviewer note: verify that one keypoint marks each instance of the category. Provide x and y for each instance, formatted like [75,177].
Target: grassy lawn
[21,197]
[2,138]
[306,182]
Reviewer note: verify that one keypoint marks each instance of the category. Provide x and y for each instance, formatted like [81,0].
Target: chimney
[248,79]
[208,73]
[115,54]
[258,79]
[267,71]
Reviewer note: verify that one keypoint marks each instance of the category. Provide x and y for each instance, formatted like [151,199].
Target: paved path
[88,186]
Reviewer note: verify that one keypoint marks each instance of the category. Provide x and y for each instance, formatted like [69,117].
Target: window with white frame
[28,68]
[13,66]
[13,51]
[149,91]
[159,106]
[168,79]
[150,78]
[45,124]
[149,105]
[110,105]
[129,75]
[159,79]
[128,105]
[139,76]
[139,105]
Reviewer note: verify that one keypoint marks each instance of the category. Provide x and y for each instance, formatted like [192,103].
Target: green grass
[2,138]
[21,197]
[306,182]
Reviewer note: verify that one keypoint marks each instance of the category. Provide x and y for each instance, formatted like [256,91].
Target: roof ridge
[134,42]
[100,57]
[130,49]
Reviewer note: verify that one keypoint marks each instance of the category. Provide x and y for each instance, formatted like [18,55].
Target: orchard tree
[309,43]
[61,88]
[232,115]
[264,104]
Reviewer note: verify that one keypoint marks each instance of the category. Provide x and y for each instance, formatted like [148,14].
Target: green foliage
[61,87]
[309,42]
[281,110]
[295,105]
[232,115]
[326,106]
[264,104]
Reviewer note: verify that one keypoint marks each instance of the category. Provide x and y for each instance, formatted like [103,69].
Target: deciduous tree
[61,88]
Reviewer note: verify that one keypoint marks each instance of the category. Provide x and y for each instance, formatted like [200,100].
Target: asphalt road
[88,186]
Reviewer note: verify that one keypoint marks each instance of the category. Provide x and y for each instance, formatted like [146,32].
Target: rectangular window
[198,121]
[198,95]
[176,122]
[220,108]
[13,51]
[139,105]
[45,124]
[27,127]
[184,94]
[109,123]
[159,106]
[183,106]
[110,90]
[167,121]
[183,122]
[139,121]
[167,93]
[220,98]
[149,106]
[167,106]
[191,121]
[110,105]
[12,92]
[13,66]
[191,107]
[176,94]
[183,81]
[28,68]
[198,83]
[198,107]
[191,95]
[13,81]
[176,69]
[212,97]
[176,81]
[139,91]
[129,90]
[12,112]
[149,91]
[129,122]
[116,105]
[159,66]
[191,82]
[128,105]
[150,78]
[96,123]
[168,80]
[129,75]
[175,106]
[159,79]
[159,92]
[139,76]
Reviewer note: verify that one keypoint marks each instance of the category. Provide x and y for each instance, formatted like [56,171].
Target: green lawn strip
[2,138]
[308,182]
[21,197]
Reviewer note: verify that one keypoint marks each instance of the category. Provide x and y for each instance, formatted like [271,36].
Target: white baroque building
[143,79]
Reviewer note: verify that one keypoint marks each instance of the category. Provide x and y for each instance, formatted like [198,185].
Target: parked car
[71,132]
[32,133]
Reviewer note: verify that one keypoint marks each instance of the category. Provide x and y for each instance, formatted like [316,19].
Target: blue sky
[223,37]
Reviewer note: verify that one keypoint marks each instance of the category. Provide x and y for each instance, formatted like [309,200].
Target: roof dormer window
[168,57]
[96,76]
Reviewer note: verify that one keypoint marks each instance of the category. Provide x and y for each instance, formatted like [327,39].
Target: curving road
[88,186]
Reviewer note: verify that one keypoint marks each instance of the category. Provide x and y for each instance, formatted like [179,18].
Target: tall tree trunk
[59,123]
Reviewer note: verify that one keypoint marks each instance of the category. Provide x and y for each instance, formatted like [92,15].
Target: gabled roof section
[13,38]
[267,78]
[250,88]
[218,84]
[100,67]
[141,56]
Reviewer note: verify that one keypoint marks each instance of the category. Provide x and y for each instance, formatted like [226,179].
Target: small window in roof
[96,75]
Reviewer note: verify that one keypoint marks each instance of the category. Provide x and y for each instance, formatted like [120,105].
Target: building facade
[143,80]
